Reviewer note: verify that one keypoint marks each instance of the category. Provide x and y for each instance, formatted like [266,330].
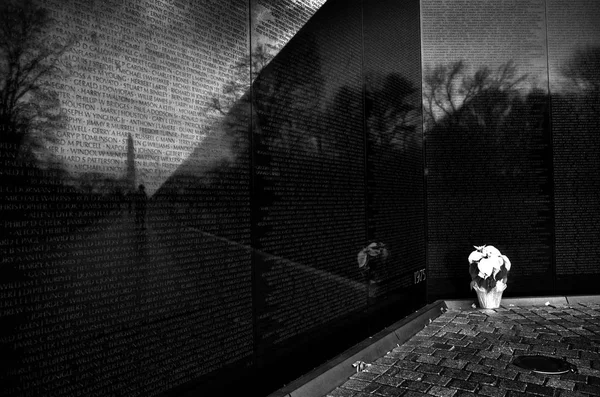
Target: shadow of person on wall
[140,200]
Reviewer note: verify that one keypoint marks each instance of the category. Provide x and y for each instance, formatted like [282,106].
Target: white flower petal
[362,259]
[490,250]
[506,262]
[475,256]
[496,270]
[499,262]
[500,286]
[486,266]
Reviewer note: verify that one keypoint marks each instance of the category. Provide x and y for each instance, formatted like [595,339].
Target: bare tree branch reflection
[448,88]
[29,107]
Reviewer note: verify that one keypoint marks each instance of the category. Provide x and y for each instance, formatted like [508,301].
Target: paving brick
[568,393]
[442,346]
[469,332]
[532,378]
[430,369]
[338,392]
[438,380]
[511,385]
[482,369]
[389,380]
[377,369]
[465,350]
[440,391]
[392,371]
[388,391]
[454,336]
[411,357]
[407,374]
[415,385]
[587,355]
[419,341]
[588,371]
[386,360]
[362,394]
[483,379]
[461,393]
[493,363]
[560,384]
[593,380]
[539,390]
[373,386]
[445,354]
[457,342]
[424,350]
[411,365]
[463,385]
[412,393]
[399,355]
[490,391]
[355,384]
[579,378]
[590,389]
[518,345]
[512,338]
[470,358]
[505,373]
[456,364]
[403,348]
[507,358]
[451,359]
[461,319]
[456,373]
[566,353]
[428,359]
[519,352]
[544,349]
[366,376]
[489,354]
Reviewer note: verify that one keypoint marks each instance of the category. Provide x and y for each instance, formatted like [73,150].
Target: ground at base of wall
[469,352]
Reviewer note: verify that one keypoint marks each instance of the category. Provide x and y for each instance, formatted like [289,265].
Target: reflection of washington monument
[130,162]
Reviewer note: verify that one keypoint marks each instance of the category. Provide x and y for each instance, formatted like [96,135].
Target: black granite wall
[509,99]
[187,185]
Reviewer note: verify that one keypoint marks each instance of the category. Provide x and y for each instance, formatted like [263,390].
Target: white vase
[490,299]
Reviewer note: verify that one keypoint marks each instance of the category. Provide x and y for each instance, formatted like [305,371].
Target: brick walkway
[469,353]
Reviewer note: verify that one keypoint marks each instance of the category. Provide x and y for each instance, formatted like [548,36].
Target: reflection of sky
[571,24]
[380,37]
[391,30]
[491,32]
[275,22]
[486,32]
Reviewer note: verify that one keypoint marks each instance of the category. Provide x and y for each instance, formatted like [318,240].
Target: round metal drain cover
[544,365]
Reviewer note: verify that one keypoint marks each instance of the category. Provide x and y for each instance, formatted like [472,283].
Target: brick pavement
[469,353]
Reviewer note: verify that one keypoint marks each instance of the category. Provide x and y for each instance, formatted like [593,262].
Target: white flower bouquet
[371,258]
[488,268]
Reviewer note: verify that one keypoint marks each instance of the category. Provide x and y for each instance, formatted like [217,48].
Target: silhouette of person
[129,197]
[140,199]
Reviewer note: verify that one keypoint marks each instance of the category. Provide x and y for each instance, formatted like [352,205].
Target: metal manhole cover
[544,365]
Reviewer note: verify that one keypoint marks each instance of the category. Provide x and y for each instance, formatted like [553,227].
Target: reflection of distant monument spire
[130,164]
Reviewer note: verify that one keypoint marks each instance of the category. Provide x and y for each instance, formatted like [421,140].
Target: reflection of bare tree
[246,71]
[29,107]
[479,116]
[448,88]
[582,69]
[583,73]
[391,115]
[286,100]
